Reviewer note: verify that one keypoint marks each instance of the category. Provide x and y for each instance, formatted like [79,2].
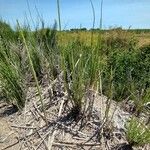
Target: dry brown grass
[144,39]
[85,36]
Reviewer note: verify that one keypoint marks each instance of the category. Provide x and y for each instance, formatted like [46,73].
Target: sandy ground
[7,135]
[10,135]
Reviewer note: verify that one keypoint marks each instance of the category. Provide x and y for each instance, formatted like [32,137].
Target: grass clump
[45,40]
[80,64]
[74,73]
[6,32]
[11,78]
[137,134]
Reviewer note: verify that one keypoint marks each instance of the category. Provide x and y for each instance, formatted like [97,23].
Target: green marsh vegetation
[116,67]
[137,133]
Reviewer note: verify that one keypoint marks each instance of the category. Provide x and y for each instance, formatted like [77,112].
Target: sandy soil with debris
[28,129]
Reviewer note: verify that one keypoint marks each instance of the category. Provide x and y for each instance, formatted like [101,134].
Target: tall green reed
[58,11]
[93,12]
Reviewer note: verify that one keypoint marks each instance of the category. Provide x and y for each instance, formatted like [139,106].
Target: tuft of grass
[11,78]
[73,67]
[46,43]
[80,64]
[34,74]
[137,134]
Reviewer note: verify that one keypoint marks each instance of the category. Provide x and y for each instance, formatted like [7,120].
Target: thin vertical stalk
[93,11]
[30,12]
[101,22]
[58,11]
[100,83]
[110,97]
[101,16]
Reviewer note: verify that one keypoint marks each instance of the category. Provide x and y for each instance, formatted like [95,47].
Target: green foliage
[34,73]
[36,59]
[11,78]
[46,41]
[6,32]
[140,88]
[117,63]
[137,134]
[130,65]
[73,66]
[143,67]
[123,63]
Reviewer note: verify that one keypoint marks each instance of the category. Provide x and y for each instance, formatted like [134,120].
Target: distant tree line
[138,31]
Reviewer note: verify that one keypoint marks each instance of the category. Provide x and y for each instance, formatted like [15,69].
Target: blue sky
[78,13]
